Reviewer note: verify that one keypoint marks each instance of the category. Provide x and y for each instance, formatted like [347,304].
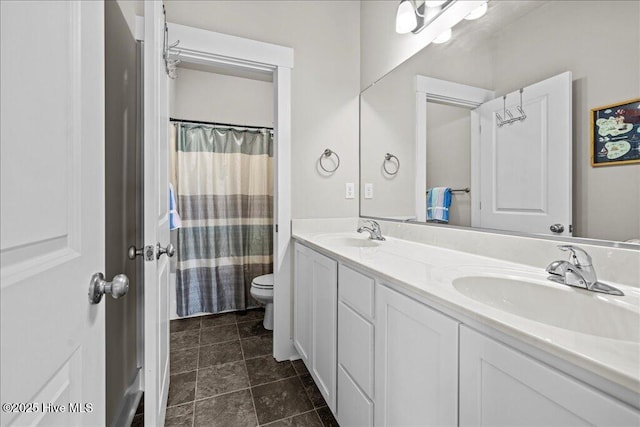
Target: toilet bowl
[262,291]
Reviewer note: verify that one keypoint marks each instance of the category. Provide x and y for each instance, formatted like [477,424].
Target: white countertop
[427,272]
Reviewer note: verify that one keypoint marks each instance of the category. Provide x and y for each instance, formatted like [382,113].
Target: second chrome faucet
[579,272]
[373,228]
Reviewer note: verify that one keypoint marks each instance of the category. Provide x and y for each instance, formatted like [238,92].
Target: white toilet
[262,291]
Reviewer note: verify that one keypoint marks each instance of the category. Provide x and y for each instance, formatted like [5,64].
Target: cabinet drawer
[354,409]
[356,290]
[355,347]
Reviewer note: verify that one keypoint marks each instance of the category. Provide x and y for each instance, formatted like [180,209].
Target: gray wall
[121,206]
[206,96]
[599,42]
[553,37]
[325,37]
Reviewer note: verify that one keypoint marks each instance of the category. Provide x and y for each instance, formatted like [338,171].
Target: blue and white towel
[174,218]
[438,202]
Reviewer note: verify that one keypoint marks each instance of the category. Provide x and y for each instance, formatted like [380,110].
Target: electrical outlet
[368,191]
[350,191]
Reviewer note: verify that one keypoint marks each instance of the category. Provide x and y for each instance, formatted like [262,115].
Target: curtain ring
[327,153]
[388,158]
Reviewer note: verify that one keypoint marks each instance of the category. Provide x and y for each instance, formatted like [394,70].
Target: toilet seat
[263,282]
[262,291]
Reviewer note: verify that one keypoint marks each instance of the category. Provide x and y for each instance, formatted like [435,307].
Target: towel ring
[387,158]
[327,153]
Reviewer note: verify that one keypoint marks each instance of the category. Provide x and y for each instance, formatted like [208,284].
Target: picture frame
[615,134]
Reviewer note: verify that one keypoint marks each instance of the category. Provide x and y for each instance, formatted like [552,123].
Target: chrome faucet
[579,272]
[373,228]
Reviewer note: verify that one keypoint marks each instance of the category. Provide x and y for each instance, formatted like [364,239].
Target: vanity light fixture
[444,37]
[477,13]
[406,17]
[413,18]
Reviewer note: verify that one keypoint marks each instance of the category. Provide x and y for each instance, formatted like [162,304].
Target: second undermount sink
[571,309]
[352,240]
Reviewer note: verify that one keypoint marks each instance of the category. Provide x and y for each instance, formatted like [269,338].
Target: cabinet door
[324,305]
[354,408]
[500,386]
[315,314]
[416,381]
[302,293]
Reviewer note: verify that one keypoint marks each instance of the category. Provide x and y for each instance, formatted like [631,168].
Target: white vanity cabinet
[416,352]
[382,358]
[500,386]
[315,318]
[355,347]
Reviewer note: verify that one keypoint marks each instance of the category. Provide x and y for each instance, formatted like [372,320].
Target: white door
[156,218]
[525,167]
[52,213]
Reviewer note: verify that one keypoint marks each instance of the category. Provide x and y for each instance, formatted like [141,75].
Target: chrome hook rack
[170,65]
[507,117]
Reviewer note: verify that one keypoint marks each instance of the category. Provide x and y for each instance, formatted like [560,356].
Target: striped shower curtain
[224,183]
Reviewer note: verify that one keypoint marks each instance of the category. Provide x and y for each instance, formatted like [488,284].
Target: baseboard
[129,403]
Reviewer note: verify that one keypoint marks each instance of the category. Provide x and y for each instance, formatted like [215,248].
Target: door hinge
[480,205]
[150,253]
[276,228]
[570,228]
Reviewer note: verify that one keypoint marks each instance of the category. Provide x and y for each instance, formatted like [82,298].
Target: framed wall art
[615,134]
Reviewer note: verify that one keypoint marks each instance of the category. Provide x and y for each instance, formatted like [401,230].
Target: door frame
[449,93]
[211,48]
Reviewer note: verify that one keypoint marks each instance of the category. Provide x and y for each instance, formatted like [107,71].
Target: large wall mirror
[497,124]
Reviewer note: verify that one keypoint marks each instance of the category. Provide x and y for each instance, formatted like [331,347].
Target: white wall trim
[226,46]
[208,47]
[444,92]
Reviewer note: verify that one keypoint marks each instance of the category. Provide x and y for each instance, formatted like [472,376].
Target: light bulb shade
[406,19]
[477,12]
[434,3]
[444,37]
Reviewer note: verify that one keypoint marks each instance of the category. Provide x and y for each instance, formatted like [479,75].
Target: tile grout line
[195,387]
[307,392]
[253,402]
[289,417]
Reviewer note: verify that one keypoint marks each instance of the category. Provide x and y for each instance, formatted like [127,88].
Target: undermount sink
[348,240]
[571,309]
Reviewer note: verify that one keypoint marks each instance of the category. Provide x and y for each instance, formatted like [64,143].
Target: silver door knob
[98,287]
[557,228]
[169,250]
[133,252]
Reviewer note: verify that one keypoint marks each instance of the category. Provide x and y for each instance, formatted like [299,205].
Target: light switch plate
[350,190]
[368,191]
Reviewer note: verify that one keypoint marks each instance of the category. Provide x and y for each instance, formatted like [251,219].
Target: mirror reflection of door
[525,165]
[516,160]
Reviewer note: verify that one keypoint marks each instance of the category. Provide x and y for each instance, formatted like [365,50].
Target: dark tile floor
[223,374]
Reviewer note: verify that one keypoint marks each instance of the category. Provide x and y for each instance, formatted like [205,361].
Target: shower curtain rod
[198,122]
